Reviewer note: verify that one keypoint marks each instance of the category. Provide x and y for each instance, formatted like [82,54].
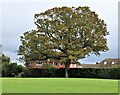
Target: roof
[90,65]
[109,60]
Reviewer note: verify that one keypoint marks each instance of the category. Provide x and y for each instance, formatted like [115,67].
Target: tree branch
[62,50]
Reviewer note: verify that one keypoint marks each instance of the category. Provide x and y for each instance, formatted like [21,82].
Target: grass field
[58,85]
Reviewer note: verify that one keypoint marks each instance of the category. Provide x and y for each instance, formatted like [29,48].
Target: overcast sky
[18,17]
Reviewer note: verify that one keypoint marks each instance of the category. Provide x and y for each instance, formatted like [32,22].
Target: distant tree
[5,59]
[20,68]
[8,68]
[13,67]
[0,60]
[66,34]
[5,65]
[0,49]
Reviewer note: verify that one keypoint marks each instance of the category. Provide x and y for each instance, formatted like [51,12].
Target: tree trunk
[66,69]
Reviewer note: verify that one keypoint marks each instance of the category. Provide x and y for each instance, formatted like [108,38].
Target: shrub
[106,73]
[48,72]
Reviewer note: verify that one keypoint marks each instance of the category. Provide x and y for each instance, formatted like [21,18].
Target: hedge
[106,73]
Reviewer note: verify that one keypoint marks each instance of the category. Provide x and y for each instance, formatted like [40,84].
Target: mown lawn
[58,85]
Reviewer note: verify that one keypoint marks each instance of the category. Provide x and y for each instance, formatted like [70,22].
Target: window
[75,65]
[71,65]
[55,63]
[38,63]
[113,63]
[105,62]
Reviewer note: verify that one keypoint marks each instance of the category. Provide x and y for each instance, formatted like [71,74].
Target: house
[110,63]
[106,63]
[39,64]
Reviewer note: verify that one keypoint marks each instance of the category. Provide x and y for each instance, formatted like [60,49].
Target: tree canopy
[5,59]
[8,68]
[66,34]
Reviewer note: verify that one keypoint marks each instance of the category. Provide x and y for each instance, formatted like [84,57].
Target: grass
[58,85]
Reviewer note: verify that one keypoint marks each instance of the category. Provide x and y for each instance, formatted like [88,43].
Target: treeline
[8,68]
[12,70]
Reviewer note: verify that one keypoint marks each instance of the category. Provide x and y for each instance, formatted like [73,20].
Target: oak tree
[66,34]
